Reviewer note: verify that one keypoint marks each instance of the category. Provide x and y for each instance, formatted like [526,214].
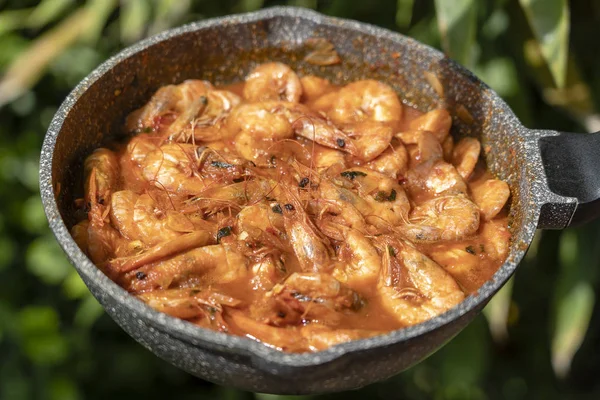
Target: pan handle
[571,162]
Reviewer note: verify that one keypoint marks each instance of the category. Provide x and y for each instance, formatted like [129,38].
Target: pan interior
[225,52]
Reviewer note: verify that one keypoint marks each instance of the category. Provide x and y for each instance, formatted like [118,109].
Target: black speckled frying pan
[541,167]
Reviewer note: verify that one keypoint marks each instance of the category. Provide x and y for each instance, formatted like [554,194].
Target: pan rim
[265,357]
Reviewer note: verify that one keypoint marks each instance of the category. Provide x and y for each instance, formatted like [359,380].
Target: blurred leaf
[265,396]
[47,11]
[501,75]
[496,24]
[7,251]
[33,217]
[249,5]
[97,13]
[62,388]
[37,320]
[88,312]
[74,287]
[13,19]
[42,341]
[457,21]
[572,321]
[497,312]
[11,45]
[303,3]
[135,15]
[549,20]
[46,260]
[404,10]
[75,63]
[167,13]
[28,67]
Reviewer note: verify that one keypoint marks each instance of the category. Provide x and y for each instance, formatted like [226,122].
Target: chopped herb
[267,198]
[194,292]
[392,251]
[212,310]
[223,232]
[238,180]
[303,182]
[352,174]
[204,100]
[281,314]
[482,248]
[140,275]
[289,207]
[147,129]
[221,164]
[277,209]
[341,142]
[383,196]
[470,250]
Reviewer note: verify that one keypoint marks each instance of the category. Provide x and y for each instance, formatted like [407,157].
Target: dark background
[538,339]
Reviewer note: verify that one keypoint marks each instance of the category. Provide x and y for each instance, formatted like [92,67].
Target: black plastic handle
[572,165]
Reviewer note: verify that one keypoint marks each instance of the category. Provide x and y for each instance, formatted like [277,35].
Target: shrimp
[386,199]
[366,100]
[312,126]
[427,149]
[170,99]
[315,297]
[148,223]
[465,156]
[173,167]
[101,169]
[323,104]
[312,337]
[442,218]
[496,237]
[312,251]
[122,204]
[162,250]
[272,81]
[434,178]
[434,292]
[204,118]
[437,122]
[314,87]
[132,158]
[266,272]
[359,261]
[80,234]
[462,264]
[191,303]
[215,264]
[370,138]
[448,147]
[260,216]
[393,162]
[257,127]
[491,196]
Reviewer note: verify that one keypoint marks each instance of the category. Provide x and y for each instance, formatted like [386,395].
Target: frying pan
[550,174]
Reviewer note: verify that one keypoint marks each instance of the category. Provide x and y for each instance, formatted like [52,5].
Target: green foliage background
[538,338]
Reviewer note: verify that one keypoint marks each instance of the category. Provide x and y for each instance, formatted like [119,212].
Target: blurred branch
[29,66]
[47,11]
[13,19]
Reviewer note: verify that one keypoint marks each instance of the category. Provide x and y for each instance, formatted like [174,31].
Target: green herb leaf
[352,174]
[549,20]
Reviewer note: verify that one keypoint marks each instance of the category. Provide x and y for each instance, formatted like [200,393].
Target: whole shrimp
[442,218]
[434,291]
[272,81]
[366,100]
